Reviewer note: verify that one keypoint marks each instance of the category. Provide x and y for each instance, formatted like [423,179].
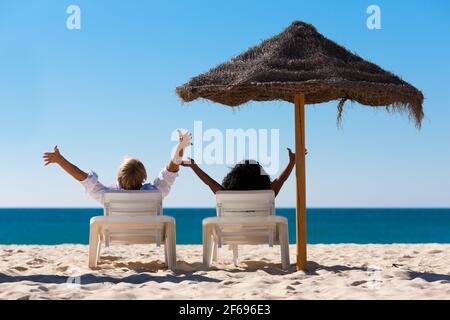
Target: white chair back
[132,203]
[245,203]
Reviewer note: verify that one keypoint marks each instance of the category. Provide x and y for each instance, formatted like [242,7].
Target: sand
[342,271]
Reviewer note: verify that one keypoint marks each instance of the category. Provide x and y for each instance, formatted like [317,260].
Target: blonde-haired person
[130,176]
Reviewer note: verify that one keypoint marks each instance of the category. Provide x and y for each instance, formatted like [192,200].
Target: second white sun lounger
[244,217]
[132,217]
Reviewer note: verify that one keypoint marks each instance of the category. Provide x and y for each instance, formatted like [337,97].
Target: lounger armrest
[244,220]
[135,220]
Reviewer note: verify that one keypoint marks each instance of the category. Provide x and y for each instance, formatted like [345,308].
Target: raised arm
[210,182]
[277,184]
[56,157]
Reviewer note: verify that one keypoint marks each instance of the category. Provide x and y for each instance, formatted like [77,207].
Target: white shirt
[96,189]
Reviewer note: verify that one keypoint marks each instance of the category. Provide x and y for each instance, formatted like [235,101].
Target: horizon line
[315,207]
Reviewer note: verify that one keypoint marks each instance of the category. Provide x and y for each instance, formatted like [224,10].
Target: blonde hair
[131,174]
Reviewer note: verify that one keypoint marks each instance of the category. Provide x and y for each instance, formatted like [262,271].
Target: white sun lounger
[244,217]
[132,217]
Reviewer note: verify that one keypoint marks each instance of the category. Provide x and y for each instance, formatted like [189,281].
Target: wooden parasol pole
[299,100]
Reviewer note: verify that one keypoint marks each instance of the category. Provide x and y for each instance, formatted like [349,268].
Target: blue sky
[107,90]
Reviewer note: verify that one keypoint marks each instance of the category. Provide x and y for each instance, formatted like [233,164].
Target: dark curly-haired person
[246,175]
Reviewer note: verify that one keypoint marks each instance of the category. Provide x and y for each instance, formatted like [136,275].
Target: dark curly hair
[247,175]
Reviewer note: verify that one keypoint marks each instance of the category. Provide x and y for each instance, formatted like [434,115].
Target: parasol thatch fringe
[415,114]
[340,108]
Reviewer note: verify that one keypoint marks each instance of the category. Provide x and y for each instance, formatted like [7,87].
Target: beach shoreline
[336,271]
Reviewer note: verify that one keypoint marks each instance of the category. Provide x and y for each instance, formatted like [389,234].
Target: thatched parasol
[302,66]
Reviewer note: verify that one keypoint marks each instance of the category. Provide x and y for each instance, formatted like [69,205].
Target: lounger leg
[215,250]
[284,245]
[99,247]
[166,254]
[211,249]
[93,245]
[171,246]
[106,239]
[158,238]
[206,246]
[174,247]
[235,254]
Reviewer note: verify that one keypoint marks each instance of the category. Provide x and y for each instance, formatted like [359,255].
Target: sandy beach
[343,271]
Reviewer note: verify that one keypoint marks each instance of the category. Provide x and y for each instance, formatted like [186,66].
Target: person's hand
[188,163]
[52,157]
[184,140]
[291,155]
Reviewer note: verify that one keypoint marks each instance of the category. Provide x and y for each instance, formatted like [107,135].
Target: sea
[324,225]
